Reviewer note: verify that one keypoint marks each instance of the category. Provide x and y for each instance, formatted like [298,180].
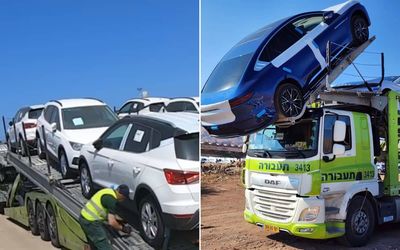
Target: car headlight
[309,214]
[76,146]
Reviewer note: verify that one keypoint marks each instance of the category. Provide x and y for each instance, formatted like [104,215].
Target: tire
[359,30]
[52,226]
[150,217]
[64,166]
[9,145]
[42,222]
[360,222]
[40,148]
[86,182]
[23,146]
[32,218]
[288,100]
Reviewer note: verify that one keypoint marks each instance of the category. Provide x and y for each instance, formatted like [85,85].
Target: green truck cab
[318,178]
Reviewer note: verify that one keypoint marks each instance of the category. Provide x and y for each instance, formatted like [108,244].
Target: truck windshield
[297,141]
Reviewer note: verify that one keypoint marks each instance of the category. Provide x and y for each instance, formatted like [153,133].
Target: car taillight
[240,100]
[29,125]
[178,177]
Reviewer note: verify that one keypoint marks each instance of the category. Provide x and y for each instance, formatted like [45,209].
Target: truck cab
[307,178]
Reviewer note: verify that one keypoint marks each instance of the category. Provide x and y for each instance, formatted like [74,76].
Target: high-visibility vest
[94,210]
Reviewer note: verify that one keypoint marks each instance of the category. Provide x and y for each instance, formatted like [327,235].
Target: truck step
[331,210]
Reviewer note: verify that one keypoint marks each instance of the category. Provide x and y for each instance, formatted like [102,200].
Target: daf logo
[272,182]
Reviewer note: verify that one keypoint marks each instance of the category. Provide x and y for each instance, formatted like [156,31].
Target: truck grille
[274,204]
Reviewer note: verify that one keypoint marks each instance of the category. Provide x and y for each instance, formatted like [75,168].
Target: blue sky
[225,22]
[105,49]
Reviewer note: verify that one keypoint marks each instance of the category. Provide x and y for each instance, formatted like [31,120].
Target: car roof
[175,99]
[77,102]
[389,82]
[37,106]
[149,99]
[188,122]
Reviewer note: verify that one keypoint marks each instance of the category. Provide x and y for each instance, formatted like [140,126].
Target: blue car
[271,73]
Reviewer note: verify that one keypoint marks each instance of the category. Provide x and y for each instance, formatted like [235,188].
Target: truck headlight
[309,214]
[76,146]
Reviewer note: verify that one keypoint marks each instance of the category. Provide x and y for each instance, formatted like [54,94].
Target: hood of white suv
[84,136]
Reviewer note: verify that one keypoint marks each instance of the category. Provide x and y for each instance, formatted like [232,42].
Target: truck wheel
[151,224]
[52,226]
[41,222]
[360,222]
[359,30]
[86,181]
[288,100]
[32,218]
[64,166]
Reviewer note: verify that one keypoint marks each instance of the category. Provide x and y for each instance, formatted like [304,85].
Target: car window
[329,123]
[35,113]
[306,24]
[88,117]
[156,107]
[289,35]
[55,117]
[113,138]
[180,106]
[187,146]
[48,112]
[138,140]
[126,108]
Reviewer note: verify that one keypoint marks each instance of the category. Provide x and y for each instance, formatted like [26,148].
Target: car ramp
[67,194]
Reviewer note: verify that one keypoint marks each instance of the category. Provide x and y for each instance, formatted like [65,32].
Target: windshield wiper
[262,153]
[299,152]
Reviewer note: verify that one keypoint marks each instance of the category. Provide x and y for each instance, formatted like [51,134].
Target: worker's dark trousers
[96,234]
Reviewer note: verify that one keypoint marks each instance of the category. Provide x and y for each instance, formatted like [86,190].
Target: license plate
[271,228]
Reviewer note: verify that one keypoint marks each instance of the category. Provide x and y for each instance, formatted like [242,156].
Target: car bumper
[181,222]
[305,230]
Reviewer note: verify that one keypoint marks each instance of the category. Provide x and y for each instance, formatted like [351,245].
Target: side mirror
[53,127]
[244,148]
[328,16]
[338,149]
[98,144]
[339,131]
[11,123]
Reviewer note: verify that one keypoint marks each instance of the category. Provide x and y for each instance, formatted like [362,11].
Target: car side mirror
[328,16]
[339,131]
[53,127]
[11,123]
[98,144]
[338,149]
[244,148]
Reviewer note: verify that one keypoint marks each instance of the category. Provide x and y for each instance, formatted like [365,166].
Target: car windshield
[297,141]
[35,113]
[231,68]
[187,146]
[181,107]
[88,117]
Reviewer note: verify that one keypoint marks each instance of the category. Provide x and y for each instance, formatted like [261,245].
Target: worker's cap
[124,190]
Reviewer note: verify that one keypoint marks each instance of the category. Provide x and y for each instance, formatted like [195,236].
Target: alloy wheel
[149,220]
[85,181]
[291,102]
[63,164]
[361,29]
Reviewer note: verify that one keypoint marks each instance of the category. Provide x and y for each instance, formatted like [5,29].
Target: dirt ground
[223,226]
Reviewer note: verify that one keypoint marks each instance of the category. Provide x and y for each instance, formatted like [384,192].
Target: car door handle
[110,164]
[136,170]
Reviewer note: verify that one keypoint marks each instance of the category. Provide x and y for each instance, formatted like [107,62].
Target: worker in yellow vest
[100,209]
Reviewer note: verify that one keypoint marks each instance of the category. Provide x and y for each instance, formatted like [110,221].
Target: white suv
[68,124]
[142,106]
[183,104]
[157,156]
[15,133]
